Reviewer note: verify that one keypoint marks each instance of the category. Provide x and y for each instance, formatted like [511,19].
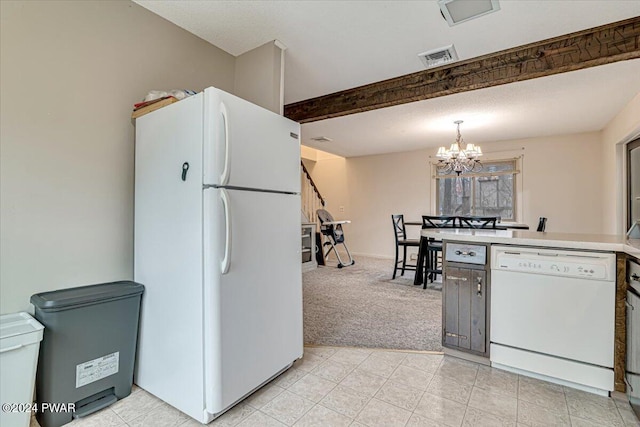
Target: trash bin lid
[83,295]
[12,325]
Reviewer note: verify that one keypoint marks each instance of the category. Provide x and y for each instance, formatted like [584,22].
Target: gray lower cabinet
[464,306]
[308,239]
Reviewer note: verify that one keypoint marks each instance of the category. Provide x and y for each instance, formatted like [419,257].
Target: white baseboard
[376,256]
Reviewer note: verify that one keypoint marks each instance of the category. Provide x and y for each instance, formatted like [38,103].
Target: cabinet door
[478,324]
[450,307]
[633,333]
[464,309]
[456,286]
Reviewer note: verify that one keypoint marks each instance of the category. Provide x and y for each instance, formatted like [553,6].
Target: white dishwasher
[553,315]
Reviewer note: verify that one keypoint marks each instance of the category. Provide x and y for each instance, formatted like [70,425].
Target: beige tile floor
[364,387]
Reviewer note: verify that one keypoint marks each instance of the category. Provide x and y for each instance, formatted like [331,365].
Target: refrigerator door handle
[226,261]
[224,178]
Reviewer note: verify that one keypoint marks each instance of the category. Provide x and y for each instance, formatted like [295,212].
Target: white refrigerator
[217,246]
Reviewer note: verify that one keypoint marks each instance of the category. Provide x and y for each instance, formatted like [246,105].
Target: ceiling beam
[609,43]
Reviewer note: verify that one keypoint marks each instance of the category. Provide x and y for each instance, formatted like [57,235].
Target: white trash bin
[20,336]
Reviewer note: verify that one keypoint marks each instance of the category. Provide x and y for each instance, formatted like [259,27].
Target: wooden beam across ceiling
[609,43]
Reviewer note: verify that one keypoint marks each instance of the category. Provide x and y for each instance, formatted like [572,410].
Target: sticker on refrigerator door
[97,369]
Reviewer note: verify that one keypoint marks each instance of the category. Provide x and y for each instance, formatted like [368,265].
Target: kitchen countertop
[596,242]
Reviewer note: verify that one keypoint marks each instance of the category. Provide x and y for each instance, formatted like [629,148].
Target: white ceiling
[336,45]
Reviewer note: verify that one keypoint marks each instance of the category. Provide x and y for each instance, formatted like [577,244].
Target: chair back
[478,221]
[438,221]
[332,230]
[324,216]
[399,229]
[542,224]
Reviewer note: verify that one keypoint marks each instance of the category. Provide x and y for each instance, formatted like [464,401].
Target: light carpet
[360,306]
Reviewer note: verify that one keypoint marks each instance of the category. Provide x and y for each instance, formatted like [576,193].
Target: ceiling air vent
[321,139]
[438,57]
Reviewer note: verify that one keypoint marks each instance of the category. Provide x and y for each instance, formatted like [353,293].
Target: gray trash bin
[88,350]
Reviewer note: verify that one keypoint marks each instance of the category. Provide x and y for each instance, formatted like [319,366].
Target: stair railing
[312,200]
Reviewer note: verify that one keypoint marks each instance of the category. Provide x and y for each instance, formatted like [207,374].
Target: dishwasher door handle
[464,279]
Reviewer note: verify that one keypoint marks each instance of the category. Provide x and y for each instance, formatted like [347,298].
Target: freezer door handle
[224,178]
[226,261]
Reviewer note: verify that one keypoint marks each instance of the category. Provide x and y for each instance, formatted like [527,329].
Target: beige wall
[308,153]
[259,76]
[561,181]
[624,127]
[70,73]
[372,188]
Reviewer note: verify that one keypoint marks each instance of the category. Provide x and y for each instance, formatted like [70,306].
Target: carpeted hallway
[360,306]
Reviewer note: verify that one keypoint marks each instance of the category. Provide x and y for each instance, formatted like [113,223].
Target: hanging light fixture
[459,160]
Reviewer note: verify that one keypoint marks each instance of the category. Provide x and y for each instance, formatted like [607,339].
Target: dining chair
[430,252]
[400,234]
[542,224]
[478,221]
[429,221]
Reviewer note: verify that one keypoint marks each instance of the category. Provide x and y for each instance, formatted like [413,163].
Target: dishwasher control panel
[588,265]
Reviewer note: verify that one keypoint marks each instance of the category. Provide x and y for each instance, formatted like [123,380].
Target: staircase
[311,198]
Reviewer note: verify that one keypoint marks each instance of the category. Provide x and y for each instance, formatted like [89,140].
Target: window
[490,192]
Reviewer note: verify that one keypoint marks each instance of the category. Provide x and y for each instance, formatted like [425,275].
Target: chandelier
[459,160]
